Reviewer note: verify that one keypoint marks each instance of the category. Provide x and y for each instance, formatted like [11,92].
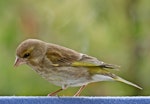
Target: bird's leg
[80,90]
[54,93]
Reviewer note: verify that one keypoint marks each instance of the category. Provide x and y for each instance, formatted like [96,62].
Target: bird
[63,66]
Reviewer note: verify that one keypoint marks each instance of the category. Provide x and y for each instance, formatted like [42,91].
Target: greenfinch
[64,67]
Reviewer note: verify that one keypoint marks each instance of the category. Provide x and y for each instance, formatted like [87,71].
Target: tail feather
[127,82]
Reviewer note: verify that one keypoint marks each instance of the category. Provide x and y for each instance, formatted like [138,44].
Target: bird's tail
[127,82]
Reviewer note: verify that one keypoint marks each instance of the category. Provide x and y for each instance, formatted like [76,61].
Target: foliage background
[115,31]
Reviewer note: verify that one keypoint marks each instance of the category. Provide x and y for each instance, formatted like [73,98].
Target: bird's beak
[18,61]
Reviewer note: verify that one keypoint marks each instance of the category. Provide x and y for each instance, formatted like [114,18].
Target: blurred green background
[115,31]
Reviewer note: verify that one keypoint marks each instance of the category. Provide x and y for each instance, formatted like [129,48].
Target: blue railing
[73,100]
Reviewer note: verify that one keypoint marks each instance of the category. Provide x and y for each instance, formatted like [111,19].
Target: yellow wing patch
[82,64]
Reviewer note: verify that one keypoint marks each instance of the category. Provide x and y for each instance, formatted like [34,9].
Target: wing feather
[93,62]
[62,56]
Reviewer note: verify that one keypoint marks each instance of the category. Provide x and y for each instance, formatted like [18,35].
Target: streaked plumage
[64,67]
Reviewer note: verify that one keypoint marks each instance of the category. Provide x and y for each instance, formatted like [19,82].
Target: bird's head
[30,50]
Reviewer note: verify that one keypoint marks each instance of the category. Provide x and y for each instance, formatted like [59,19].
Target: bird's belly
[66,76]
[64,82]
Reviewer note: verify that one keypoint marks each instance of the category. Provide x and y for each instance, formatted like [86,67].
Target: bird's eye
[26,55]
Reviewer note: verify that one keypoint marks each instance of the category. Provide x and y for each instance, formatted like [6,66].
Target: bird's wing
[93,62]
[61,56]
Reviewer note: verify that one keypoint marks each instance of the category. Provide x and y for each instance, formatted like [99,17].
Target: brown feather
[61,55]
